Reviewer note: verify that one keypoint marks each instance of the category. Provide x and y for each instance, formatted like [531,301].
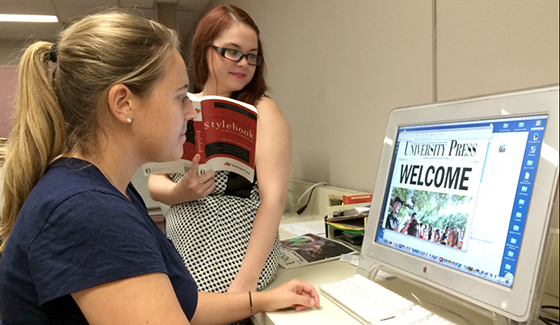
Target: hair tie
[53,52]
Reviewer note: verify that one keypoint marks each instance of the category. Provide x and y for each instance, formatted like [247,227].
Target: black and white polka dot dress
[212,234]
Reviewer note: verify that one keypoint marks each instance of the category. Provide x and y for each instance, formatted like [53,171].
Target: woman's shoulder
[266,103]
[72,182]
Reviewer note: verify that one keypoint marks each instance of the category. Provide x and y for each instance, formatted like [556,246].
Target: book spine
[356,198]
[200,138]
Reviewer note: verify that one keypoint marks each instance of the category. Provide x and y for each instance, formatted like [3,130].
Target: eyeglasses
[236,56]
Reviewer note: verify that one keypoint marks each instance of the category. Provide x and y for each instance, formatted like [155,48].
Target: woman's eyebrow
[183,87]
[238,47]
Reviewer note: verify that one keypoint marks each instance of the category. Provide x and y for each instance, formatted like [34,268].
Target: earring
[128,120]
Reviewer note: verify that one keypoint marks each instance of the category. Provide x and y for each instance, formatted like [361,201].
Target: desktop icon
[521,201]
[535,136]
[521,124]
[515,228]
[510,254]
[519,215]
[529,163]
[506,125]
[523,188]
[527,175]
[513,241]
[508,267]
[533,149]
[538,122]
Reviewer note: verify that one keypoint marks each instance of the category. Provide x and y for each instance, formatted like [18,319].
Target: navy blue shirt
[76,231]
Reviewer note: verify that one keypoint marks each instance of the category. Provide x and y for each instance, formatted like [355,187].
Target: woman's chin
[177,156]
[172,157]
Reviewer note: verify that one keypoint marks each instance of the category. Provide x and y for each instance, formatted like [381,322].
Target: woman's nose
[190,112]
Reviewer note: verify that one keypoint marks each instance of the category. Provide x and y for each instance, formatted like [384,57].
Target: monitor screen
[463,197]
[458,193]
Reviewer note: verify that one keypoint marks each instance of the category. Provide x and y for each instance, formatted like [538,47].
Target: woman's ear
[120,101]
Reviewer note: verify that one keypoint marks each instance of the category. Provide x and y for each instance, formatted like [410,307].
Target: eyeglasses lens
[235,55]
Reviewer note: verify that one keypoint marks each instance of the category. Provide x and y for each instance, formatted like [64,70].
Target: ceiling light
[29,18]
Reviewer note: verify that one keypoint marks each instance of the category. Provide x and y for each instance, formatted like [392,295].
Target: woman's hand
[194,186]
[294,294]
[225,308]
[189,188]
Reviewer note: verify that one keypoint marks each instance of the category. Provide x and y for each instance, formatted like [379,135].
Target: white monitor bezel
[515,302]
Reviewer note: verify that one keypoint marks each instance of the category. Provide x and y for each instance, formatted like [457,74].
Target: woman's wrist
[251,303]
[260,302]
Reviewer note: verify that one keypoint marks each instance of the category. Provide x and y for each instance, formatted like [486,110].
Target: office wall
[337,68]
[493,46]
[10,51]
[8,78]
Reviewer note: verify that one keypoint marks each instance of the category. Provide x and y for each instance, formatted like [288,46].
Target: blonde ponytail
[62,107]
[37,135]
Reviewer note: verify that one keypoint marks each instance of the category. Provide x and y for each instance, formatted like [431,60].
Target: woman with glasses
[237,220]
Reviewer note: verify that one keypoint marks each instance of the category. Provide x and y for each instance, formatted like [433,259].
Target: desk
[329,313]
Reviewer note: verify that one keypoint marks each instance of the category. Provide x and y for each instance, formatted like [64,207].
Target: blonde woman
[78,244]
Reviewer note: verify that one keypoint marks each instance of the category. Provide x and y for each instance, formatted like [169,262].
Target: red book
[224,133]
[356,198]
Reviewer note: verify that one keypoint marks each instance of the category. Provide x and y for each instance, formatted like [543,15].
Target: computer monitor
[486,170]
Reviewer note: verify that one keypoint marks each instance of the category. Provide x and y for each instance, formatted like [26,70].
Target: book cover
[310,249]
[223,133]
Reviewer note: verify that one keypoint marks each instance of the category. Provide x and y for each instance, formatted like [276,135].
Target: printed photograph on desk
[309,249]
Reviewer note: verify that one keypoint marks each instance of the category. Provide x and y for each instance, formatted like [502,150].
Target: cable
[300,210]
[546,319]
[311,188]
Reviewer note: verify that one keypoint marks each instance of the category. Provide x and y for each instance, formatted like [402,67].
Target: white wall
[334,69]
[494,46]
[337,68]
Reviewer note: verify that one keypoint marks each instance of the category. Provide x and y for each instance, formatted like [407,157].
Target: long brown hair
[60,105]
[209,28]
